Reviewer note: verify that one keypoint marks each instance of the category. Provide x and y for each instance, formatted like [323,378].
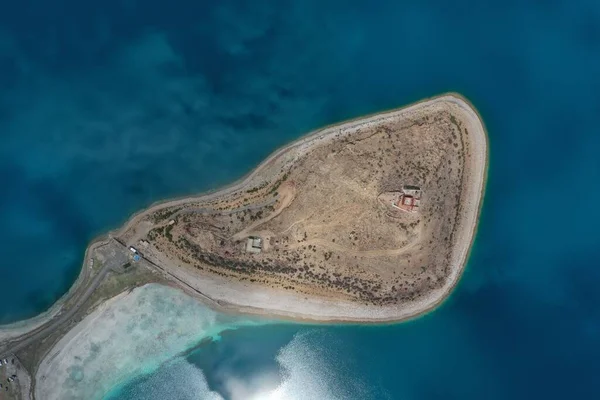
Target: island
[370,220]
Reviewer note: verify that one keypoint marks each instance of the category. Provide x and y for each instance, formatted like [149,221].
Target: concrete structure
[410,190]
[254,245]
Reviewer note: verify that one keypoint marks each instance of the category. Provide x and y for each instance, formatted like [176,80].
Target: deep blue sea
[108,106]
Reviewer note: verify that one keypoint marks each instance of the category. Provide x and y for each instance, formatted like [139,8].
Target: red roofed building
[409,200]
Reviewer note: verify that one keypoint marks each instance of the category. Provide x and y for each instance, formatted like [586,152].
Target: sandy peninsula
[370,220]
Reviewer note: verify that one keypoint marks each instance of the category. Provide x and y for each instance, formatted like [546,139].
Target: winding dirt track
[287,193]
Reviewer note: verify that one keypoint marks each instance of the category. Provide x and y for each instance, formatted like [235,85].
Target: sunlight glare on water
[276,394]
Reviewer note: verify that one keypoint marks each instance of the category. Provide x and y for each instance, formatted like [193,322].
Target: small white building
[254,245]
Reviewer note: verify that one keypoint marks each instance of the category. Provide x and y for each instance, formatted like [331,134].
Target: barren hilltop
[371,219]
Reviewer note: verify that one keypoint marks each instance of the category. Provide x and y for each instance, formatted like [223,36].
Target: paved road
[56,322]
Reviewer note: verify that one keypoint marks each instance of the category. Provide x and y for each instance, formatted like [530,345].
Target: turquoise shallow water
[109,106]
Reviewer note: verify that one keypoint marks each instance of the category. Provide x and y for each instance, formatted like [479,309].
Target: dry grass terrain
[325,230]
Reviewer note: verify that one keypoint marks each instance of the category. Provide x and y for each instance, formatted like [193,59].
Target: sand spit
[125,336]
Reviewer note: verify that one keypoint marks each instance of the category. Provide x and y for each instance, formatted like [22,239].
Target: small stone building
[254,245]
